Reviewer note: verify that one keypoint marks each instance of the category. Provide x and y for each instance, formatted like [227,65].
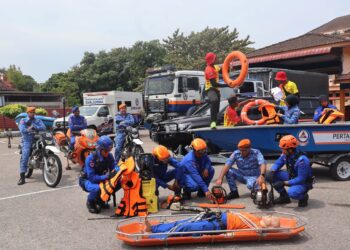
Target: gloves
[111,175]
[278,184]
[29,123]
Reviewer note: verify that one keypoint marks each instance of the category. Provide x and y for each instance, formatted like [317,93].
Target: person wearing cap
[298,176]
[212,86]
[287,87]
[291,112]
[198,170]
[162,159]
[27,126]
[76,123]
[321,110]
[99,166]
[251,168]
[122,120]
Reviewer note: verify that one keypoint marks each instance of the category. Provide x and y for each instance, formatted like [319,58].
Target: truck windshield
[87,111]
[159,85]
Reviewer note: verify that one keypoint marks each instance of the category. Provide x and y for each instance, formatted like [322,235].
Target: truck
[100,108]
[172,93]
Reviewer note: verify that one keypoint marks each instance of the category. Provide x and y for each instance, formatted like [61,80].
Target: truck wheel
[340,170]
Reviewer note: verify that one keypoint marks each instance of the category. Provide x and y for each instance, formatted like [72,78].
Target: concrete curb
[13,133]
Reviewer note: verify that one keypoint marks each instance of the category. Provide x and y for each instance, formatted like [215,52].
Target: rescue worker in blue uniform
[198,171]
[298,176]
[122,120]
[99,166]
[320,111]
[76,123]
[251,168]
[291,112]
[162,160]
[27,127]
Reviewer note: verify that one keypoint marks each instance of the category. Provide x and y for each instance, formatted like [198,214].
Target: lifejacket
[237,220]
[149,193]
[269,114]
[330,116]
[207,81]
[133,203]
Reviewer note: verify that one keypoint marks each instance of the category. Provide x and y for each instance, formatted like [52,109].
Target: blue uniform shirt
[248,166]
[301,167]
[195,166]
[124,121]
[26,123]
[77,123]
[161,169]
[97,167]
[318,111]
[291,115]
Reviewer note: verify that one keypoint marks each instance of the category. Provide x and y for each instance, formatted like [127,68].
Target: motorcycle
[44,156]
[85,143]
[132,145]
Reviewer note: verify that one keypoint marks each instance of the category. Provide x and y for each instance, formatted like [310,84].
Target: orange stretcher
[130,231]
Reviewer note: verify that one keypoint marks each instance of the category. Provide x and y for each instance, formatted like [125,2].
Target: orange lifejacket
[269,114]
[235,222]
[330,116]
[132,204]
[267,110]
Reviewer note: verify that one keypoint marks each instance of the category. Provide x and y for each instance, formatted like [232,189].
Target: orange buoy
[226,66]
[249,105]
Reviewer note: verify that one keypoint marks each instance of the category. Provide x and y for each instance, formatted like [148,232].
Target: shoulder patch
[22,121]
[92,163]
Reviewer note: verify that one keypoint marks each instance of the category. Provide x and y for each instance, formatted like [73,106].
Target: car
[175,135]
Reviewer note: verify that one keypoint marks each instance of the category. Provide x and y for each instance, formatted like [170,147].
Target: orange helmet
[198,144]
[288,141]
[161,153]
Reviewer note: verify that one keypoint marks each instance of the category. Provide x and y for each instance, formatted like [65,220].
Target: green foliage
[41,111]
[12,110]
[22,82]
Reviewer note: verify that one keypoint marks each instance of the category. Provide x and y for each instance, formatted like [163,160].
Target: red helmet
[161,153]
[281,76]
[288,141]
[210,58]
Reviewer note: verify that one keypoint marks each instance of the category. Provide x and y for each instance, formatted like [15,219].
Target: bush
[40,111]
[12,110]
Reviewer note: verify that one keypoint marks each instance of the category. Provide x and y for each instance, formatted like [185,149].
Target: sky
[44,37]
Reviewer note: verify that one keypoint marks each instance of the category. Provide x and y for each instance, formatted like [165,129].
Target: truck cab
[172,92]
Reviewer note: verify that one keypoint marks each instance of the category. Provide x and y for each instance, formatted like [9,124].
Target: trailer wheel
[340,170]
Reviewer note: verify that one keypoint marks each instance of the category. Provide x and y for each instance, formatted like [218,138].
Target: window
[118,103]
[128,103]
[247,87]
[181,86]
[104,111]
[193,83]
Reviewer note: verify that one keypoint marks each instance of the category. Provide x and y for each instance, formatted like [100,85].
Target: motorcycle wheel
[52,171]
[137,151]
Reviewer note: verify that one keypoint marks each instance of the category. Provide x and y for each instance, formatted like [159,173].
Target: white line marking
[38,192]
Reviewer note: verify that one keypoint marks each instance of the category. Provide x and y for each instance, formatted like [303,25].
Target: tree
[188,52]
[21,82]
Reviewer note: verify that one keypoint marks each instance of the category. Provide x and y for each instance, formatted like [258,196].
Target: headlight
[49,142]
[184,126]
[135,136]
[170,127]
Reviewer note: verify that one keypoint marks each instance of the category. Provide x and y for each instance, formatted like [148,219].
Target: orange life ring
[249,105]
[226,66]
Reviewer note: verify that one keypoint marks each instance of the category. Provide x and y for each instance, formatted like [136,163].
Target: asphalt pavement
[34,216]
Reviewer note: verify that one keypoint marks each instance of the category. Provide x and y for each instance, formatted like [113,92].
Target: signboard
[97,100]
[331,137]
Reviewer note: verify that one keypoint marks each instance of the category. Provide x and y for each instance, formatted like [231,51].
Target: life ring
[249,105]
[226,66]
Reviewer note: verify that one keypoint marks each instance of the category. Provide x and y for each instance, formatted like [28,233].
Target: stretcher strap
[247,221]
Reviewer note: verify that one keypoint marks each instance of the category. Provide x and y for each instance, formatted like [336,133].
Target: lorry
[100,108]
[172,93]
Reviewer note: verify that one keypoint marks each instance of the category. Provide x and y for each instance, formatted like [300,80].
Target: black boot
[186,195]
[91,206]
[303,202]
[200,194]
[22,179]
[232,195]
[102,204]
[283,199]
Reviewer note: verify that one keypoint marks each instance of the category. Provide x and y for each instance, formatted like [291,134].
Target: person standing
[287,87]
[27,127]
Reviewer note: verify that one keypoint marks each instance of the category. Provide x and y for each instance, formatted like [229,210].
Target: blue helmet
[104,142]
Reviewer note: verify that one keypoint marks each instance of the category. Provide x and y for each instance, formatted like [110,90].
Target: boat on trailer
[327,145]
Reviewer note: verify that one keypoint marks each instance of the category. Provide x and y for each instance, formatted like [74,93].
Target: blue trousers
[119,144]
[72,142]
[26,149]
[296,192]
[192,186]
[234,175]
[186,226]
[94,190]
[170,175]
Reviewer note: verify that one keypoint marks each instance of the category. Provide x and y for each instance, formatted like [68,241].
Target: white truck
[100,109]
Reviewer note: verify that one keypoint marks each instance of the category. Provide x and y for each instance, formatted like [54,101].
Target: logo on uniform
[92,164]
[303,137]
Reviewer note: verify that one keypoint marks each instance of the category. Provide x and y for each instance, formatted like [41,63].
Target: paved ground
[34,216]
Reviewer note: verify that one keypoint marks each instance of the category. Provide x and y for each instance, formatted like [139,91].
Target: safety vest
[230,117]
[132,204]
[330,116]
[269,114]
[207,81]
